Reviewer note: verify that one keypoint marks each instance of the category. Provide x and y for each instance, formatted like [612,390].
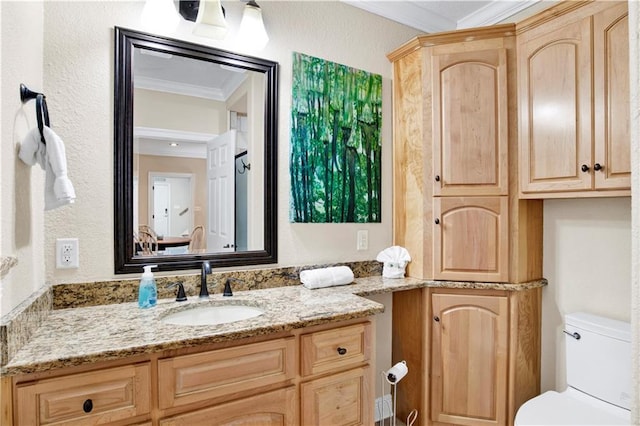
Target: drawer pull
[575,335]
[87,406]
[342,351]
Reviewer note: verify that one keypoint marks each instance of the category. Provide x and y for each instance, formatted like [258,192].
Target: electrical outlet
[67,255]
[362,240]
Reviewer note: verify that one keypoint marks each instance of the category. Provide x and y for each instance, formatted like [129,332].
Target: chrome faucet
[206,270]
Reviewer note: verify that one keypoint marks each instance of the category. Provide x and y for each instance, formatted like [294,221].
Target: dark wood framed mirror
[176,107]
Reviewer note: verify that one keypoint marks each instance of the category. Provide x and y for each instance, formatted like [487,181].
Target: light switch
[362,240]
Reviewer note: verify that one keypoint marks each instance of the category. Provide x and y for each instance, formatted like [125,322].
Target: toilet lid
[570,407]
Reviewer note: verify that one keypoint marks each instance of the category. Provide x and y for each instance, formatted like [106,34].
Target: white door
[161,204]
[220,194]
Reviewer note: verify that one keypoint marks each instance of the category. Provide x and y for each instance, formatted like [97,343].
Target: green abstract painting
[336,116]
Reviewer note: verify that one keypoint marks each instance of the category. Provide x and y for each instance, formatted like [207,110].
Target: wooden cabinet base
[474,355]
[258,380]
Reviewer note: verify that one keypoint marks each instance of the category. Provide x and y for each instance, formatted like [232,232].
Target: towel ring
[42,112]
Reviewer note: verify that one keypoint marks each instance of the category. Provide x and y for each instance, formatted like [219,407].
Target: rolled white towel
[326,277]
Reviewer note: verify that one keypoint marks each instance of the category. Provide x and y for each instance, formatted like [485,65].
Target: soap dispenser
[148,292]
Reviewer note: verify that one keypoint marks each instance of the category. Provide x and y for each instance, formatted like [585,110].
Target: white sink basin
[211,315]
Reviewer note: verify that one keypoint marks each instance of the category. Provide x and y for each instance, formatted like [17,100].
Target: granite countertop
[78,336]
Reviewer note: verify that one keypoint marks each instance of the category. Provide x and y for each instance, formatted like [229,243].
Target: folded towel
[326,277]
[51,157]
[395,259]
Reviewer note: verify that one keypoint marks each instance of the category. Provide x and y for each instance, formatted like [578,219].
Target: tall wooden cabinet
[455,182]
[573,73]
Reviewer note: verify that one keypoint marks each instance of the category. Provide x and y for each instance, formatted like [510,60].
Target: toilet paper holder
[393,375]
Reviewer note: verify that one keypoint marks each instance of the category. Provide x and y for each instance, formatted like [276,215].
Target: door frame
[150,201]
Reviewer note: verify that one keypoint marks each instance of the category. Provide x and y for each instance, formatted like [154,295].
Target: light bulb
[252,34]
[159,15]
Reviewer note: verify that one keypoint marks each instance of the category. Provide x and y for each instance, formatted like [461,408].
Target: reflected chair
[148,243]
[148,229]
[197,243]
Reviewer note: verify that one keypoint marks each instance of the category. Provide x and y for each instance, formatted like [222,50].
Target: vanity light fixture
[159,15]
[252,33]
[210,21]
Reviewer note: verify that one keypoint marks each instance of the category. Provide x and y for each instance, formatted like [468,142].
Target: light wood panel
[275,408]
[554,73]
[339,399]
[192,378]
[99,397]
[525,316]
[411,343]
[471,240]
[611,98]
[469,359]
[412,190]
[334,349]
[470,123]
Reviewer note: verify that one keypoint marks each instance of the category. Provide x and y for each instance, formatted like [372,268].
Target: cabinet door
[469,359]
[470,123]
[470,237]
[554,75]
[276,408]
[341,399]
[611,98]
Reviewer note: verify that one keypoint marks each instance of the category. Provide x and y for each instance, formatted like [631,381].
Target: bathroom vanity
[309,359]
[254,380]
[117,364]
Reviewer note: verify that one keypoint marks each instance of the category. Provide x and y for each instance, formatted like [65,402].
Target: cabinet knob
[437,178]
[584,168]
[597,167]
[436,319]
[437,221]
[87,406]
[342,351]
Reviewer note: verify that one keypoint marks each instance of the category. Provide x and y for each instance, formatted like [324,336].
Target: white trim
[494,12]
[407,13]
[171,135]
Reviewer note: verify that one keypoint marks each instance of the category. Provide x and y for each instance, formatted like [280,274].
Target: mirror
[195,155]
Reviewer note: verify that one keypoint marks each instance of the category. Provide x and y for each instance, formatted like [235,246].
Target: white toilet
[598,358]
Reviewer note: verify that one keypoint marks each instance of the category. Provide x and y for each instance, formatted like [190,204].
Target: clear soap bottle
[148,292]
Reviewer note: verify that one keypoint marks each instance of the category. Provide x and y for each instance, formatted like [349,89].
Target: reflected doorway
[171,203]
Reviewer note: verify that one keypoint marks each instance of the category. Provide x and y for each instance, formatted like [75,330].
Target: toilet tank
[599,361]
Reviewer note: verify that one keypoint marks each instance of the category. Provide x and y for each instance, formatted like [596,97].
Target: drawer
[340,399]
[191,378]
[275,408]
[324,351]
[98,397]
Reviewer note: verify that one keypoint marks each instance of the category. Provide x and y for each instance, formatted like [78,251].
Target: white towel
[58,189]
[395,260]
[326,277]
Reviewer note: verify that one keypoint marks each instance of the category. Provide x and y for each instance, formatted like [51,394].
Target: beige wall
[178,112]
[77,53]
[21,187]
[587,261]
